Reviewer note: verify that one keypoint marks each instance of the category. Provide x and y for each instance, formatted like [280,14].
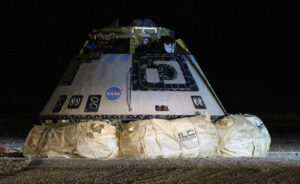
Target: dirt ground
[273,169]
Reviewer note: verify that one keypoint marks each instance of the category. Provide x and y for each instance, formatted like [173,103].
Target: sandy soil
[273,169]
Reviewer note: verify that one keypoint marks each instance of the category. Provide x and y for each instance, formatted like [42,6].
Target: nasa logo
[113,93]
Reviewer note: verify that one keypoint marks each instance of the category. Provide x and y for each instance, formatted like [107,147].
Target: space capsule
[133,72]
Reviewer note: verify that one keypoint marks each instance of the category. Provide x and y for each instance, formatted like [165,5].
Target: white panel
[111,70]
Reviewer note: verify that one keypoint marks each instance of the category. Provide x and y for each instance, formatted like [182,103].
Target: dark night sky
[248,51]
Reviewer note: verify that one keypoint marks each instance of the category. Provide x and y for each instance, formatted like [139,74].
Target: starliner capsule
[133,72]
